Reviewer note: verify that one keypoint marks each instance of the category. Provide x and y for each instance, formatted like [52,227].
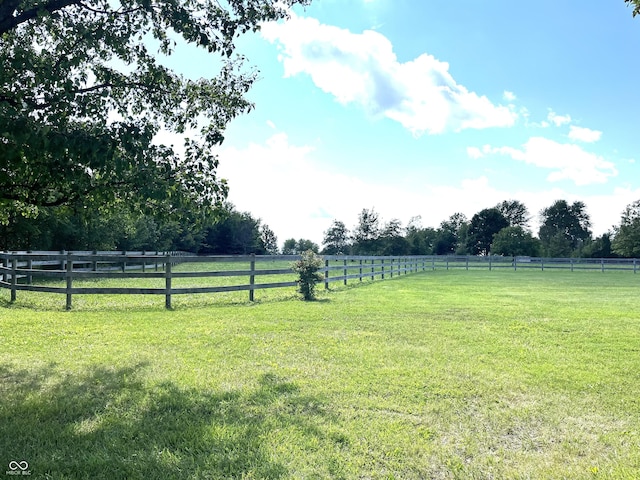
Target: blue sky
[428,108]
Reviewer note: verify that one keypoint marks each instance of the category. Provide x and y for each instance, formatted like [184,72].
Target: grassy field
[503,375]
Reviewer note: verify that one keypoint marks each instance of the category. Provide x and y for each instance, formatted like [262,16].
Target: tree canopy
[336,239]
[296,247]
[482,228]
[516,213]
[515,241]
[627,234]
[563,227]
[83,96]
[636,6]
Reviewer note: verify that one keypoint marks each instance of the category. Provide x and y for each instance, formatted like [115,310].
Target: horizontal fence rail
[499,262]
[18,270]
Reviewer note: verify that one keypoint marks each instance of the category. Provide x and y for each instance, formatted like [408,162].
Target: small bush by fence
[61,273]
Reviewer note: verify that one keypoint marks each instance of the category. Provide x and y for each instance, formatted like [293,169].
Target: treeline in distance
[565,231]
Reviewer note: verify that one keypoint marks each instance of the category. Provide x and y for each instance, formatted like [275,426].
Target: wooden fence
[467,262]
[18,270]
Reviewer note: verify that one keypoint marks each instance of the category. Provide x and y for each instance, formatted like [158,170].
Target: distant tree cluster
[118,228]
[565,231]
[296,247]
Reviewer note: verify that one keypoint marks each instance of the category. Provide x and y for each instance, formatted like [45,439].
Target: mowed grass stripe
[438,375]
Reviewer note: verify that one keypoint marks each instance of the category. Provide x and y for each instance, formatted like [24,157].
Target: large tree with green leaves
[564,227]
[234,233]
[366,234]
[626,241]
[336,239]
[482,228]
[451,234]
[516,213]
[84,93]
[297,247]
[392,239]
[515,241]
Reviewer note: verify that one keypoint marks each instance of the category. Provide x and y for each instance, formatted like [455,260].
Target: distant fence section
[67,273]
[515,263]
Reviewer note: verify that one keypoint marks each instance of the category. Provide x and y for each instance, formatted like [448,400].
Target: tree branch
[109,12]
[8,21]
[35,104]
[11,101]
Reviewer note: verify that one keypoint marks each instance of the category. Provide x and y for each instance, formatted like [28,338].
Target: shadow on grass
[106,424]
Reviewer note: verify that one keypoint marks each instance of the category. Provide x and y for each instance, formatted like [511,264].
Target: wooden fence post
[360,269]
[69,276]
[382,276]
[489,262]
[252,276]
[345,272]
[326,274]
[634,265]
[29,267]
[14,278]
[167,287]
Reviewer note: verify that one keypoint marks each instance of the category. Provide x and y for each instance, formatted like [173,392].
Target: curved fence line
[19,269]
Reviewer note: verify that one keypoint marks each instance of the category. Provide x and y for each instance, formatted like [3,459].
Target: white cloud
[558,120]
[363,69]
[509,96]
[298,197]
[474,152]
[584,134]
[567,161]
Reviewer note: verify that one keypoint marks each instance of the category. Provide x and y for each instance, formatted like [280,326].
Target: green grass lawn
[503,375]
